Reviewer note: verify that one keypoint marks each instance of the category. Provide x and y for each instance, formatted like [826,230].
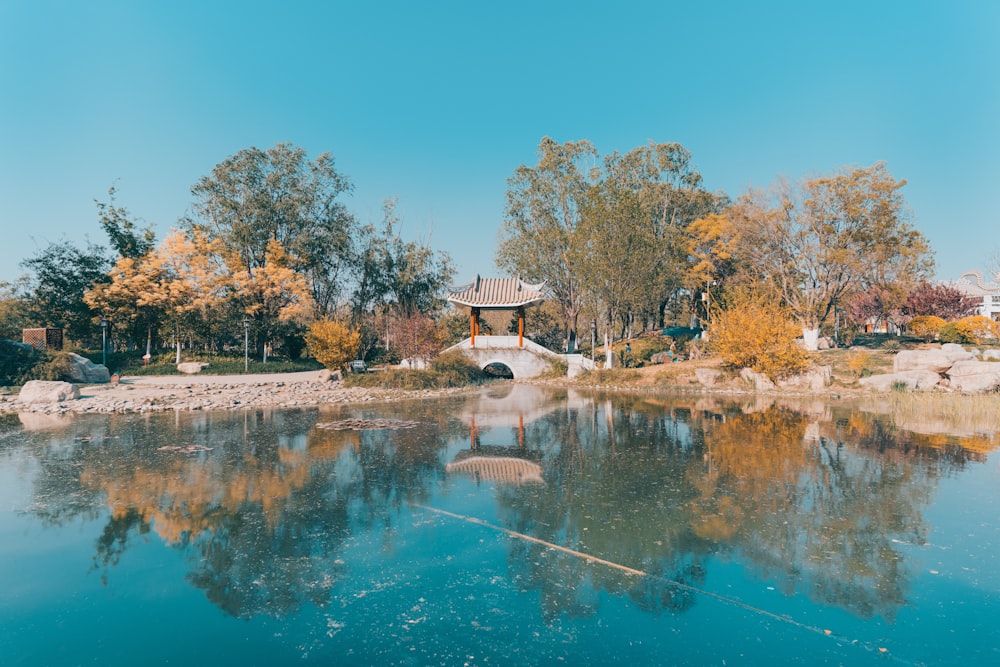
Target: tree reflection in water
[815,500]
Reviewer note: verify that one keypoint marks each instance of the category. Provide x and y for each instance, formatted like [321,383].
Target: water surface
[514,526]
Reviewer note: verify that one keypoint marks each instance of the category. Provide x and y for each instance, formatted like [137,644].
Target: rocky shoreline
[170,393]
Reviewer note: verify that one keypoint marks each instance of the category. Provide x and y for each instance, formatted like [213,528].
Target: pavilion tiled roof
[497,293]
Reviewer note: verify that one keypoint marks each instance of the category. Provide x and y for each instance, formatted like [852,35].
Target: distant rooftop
[497,293]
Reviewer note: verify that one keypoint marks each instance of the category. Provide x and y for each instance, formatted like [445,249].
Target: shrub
[456,370]
[856,361]
[926,326]
[756,332]
[447,370]
[975,329]
[949,333]
[332,344]
[891,346]
[16,361]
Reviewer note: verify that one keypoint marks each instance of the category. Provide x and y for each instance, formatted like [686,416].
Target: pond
[515,526]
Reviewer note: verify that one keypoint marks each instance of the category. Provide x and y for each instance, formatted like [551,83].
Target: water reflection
[264,505]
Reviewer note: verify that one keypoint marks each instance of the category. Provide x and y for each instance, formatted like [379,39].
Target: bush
[926,326]
[891,346]
[755,332]
[332,344]
[975,329]
[16,361]
[949,333]
[447,370]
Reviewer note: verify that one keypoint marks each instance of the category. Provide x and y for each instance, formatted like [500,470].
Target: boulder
[760,381]
[707,377]
[85,371]
[914,380]
[191,367]
[991,355]
[326,375]
[956,352]
[815,379]
[660,357]
[938,361]
[41,391]
[974,376]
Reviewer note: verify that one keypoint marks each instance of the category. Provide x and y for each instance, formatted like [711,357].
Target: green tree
[258,196]
[672,196]
[123,232]
[616,254]
[542,215]
[818,241]
[62,273]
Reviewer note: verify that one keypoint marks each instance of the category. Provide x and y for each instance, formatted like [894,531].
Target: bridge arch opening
[498,369]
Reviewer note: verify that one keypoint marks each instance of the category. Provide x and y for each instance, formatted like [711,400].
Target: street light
[246,344]
[104,340]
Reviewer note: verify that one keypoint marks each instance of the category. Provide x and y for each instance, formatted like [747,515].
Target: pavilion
[497,294]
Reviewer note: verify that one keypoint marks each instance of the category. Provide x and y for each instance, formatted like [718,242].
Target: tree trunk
[810,335]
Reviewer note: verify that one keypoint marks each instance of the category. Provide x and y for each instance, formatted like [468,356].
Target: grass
[164,364]
[447,370]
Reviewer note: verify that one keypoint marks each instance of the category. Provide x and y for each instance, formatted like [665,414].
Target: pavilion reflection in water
[497,410]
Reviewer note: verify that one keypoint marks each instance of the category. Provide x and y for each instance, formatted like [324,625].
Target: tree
[13,308]
[818,241]
[258,196]
[672,197]
[616,255]
[940,300]
[754,331]
[272,294]
[542,214]
[331,343]
[62,273]
[123,233]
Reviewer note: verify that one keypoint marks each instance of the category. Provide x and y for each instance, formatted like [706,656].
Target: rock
[191,367]
[815,379]
[85,371]
[956,352]
[920,380]
[327,375]
[824,343]
[974,376]
[938,361]
[707,377]
[991,355]
[40,391]
[760,381]
[661,358]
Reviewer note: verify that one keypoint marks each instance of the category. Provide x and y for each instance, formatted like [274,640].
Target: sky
[437,103]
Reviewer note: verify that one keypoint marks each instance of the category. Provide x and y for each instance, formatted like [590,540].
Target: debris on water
[367,424]
[184,449]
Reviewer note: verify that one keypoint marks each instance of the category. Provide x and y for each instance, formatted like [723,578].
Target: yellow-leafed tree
[331,343]
[755,332]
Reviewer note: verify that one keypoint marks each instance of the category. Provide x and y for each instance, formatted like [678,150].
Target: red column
[520,326]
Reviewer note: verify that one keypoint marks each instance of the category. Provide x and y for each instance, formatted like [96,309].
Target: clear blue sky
[438,102]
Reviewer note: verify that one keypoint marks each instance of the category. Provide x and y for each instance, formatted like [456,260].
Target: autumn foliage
[756,332]
[332,344]
[926,326]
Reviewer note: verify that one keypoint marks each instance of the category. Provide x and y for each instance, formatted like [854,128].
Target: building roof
[972,283]
[499,469]
[497,293]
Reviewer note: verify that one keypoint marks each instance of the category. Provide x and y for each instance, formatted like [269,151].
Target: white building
[971,283]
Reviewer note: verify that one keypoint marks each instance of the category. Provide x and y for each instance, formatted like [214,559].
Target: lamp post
[104,340]
[593,338]
[246,344]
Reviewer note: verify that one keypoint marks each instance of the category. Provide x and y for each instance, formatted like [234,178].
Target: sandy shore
[213,392]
